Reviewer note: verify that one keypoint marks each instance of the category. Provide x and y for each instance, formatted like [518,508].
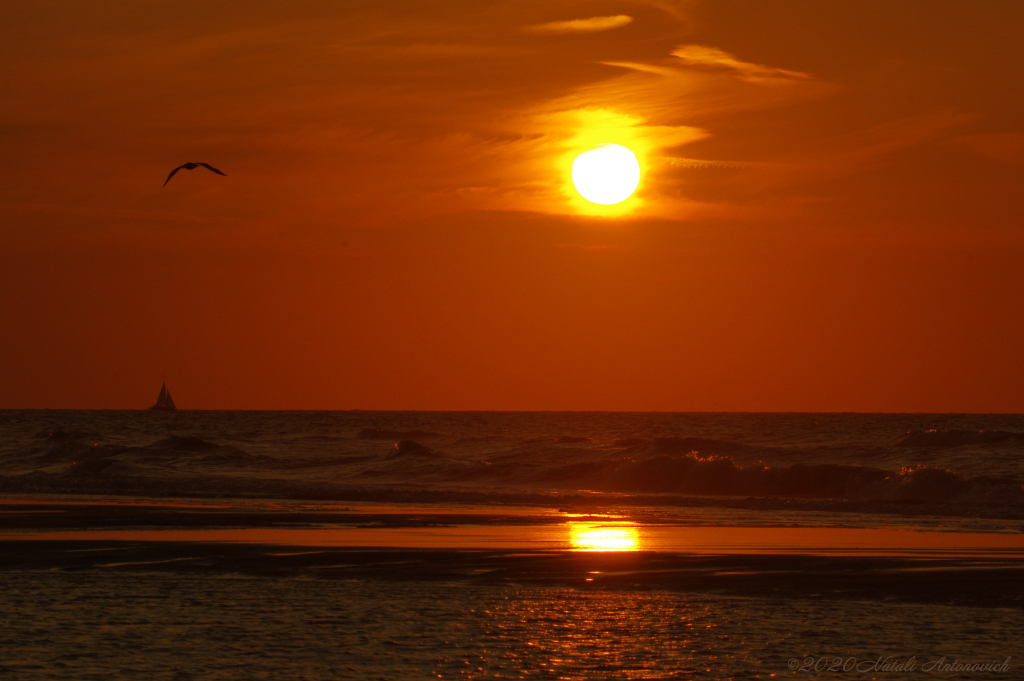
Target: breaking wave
[308,456]
[693,474]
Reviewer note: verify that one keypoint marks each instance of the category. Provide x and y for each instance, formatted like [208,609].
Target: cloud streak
[712,57]
[591,25]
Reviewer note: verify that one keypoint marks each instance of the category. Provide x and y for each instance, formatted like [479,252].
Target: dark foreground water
[102,626]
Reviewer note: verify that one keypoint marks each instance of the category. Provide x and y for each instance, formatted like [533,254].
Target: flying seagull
[192,166]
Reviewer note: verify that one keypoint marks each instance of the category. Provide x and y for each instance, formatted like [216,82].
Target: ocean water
[86,626]
[954,465]
[416,545]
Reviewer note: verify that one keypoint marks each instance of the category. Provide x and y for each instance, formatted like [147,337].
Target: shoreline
[604,536]
[440,526]
[491,547]
[292,491]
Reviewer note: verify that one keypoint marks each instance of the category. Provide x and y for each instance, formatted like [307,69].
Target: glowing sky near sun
[828,217]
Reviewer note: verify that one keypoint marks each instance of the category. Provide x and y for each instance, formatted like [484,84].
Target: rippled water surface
[101,626]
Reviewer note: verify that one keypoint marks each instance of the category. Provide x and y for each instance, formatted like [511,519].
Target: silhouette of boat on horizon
[164,402]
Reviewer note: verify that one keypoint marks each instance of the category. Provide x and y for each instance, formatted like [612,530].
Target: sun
[607,175]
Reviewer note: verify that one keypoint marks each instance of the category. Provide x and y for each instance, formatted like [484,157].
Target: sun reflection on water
[603,537]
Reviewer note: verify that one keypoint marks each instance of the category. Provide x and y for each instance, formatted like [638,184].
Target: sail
[164,401]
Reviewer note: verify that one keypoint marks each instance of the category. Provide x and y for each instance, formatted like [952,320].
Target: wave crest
[959,438]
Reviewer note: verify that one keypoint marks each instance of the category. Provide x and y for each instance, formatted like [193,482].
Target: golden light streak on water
[603,537]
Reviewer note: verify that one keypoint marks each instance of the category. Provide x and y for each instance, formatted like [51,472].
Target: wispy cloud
[706,164]
[704,56]
[591,25]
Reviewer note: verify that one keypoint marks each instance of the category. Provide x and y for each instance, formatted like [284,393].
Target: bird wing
[172,175]
[208,166]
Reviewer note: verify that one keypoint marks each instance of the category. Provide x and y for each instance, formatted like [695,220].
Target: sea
[486,495]
[953,465]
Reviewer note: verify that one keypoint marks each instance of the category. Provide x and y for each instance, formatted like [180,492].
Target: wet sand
[498,545]
[474,527]
[589,536]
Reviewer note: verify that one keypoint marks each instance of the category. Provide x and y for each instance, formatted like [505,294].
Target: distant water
[966,465]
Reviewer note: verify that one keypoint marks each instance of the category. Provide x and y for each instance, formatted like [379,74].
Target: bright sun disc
[606,175]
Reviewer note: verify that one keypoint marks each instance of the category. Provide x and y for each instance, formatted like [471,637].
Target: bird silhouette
[192,166]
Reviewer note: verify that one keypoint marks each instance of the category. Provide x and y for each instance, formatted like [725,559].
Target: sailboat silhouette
[164,402]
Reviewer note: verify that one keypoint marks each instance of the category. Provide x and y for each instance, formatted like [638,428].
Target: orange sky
[830,216]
